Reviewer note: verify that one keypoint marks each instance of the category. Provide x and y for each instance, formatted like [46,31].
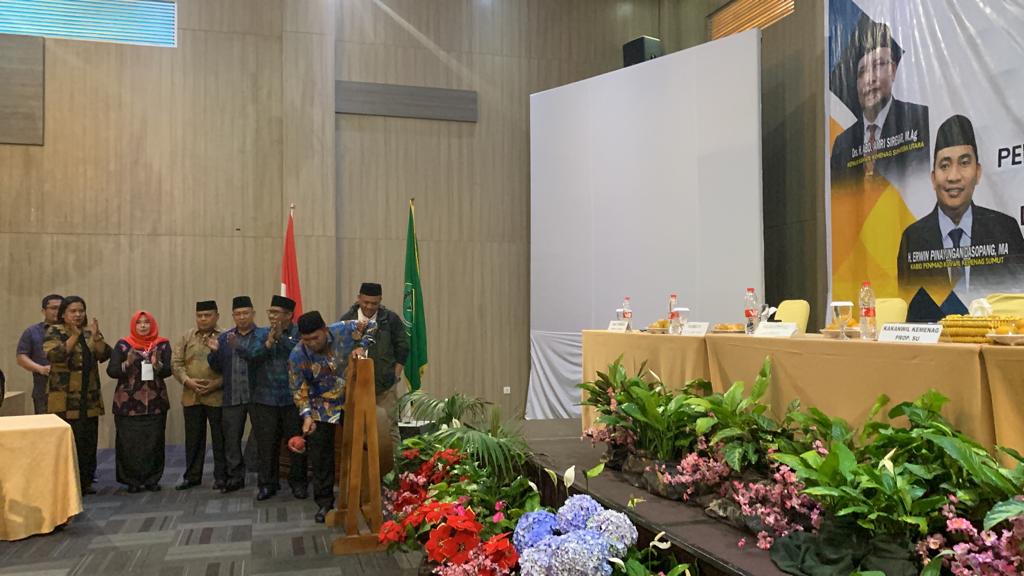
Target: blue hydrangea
[532,528]
[574,514]
[536,561]
[616,528]
[581,553]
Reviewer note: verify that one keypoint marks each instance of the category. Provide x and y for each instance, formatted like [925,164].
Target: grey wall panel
[372,99]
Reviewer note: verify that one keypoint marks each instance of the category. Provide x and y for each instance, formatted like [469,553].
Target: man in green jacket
[389,350]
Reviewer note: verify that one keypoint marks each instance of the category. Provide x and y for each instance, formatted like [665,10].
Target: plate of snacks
[729,328]
[832,330]
[659,326]
[851,333]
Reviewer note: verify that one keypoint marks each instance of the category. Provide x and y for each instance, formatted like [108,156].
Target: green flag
[412,308]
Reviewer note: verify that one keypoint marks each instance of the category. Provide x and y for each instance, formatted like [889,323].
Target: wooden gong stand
[359,430]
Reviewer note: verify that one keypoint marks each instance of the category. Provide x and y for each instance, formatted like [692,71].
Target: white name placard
[618,325]
[775,330]
[695,329]
[916,333]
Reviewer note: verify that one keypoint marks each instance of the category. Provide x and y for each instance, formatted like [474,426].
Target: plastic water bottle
[868,324]
[627,313]
[673,315]
[752,310]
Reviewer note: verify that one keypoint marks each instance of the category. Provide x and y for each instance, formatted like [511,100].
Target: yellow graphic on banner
[864,215]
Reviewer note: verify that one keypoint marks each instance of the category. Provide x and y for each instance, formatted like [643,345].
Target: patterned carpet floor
[195,532]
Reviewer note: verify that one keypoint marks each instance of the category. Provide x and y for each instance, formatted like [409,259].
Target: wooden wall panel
[167,173]
[793,132]
[471,181]
[21,92]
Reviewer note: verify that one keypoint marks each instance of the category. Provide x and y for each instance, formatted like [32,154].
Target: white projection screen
[644,181]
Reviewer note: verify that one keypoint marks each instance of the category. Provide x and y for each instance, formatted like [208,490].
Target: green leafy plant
[944,460]
[443,411]
[659,422]
[741,423]
[897,484]
[475,427]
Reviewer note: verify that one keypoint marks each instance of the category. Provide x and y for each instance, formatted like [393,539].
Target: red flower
[449,545]
[411,453]
[437,511]
[449,455]
[465,521]
[501,551]
[391,532]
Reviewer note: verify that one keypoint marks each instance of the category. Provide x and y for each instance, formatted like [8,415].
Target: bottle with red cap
[752,310]
[627,313]
[868,324]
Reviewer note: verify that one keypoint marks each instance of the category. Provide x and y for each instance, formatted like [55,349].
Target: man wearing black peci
[957,222]
[225,359]
[389,351]
[890,137]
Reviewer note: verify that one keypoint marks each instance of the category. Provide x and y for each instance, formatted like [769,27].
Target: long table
[985,384]
[38,475]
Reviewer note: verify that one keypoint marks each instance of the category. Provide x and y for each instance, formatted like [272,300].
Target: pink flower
[935,542]
[498,517]
[499,505]
[764,541]
[742,543]
[959,525]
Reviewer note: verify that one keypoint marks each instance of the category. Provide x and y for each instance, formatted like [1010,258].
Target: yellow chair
[1006,304]
[890,311]
[795,311]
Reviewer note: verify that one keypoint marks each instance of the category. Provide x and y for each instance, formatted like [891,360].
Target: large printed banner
[926,127]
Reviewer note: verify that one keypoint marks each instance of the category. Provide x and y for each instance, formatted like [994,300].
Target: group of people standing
[286,378]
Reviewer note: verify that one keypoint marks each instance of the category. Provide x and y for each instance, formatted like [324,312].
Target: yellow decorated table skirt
[1004,366]
[985,384]
[38,475]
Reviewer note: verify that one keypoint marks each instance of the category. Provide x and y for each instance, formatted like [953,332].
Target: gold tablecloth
[985,384]
[1004,366]
[675,359]
[38,475]
[845,378]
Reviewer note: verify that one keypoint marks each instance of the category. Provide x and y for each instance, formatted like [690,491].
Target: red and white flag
[290,267]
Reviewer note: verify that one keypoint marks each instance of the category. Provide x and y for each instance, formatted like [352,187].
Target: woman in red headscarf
[140,362]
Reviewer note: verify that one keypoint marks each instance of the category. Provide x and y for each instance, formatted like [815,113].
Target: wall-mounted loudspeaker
[640,50]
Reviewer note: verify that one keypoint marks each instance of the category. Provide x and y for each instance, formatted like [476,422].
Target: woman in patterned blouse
[140,362]
[74,346]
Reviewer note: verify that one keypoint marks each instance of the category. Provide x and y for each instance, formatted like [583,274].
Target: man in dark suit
[957,222]
[890,137]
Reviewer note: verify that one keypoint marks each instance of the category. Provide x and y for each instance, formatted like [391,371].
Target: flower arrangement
[778,506]
[443,502]
[702,471]
[884,483]
[967,551]
[580,540]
